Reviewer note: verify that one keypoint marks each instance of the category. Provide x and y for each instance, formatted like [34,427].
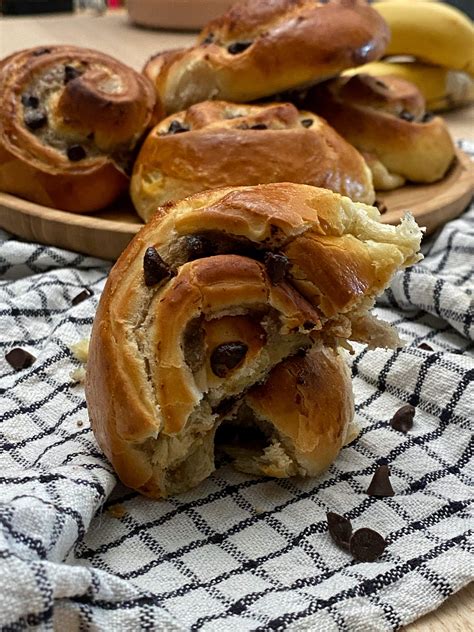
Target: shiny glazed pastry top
[215,144]
[69,122]
[261,47]
[225,314]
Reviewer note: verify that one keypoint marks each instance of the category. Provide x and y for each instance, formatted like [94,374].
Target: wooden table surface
[114,34]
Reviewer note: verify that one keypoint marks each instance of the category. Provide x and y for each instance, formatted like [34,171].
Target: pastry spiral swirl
[227,311]
[217,144]
[70,120]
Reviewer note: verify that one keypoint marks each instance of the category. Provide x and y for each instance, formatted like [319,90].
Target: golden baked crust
[259,48]
[225,268]
[385,119]
[69,121]
[215,144]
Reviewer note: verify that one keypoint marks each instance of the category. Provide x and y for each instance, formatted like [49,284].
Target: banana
[429,31]
[442,88]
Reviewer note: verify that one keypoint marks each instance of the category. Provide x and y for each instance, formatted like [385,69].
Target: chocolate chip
[177,128]
[367,545]
[259,126]
[380,484]
[227,356]
[425,346]
[76,153]
[19,358]
[198,247]
[30,101]
[41,51]
[381,206]
[35,119]
[306,122]
[407,116]
[154,268]
[308,325]
[427,116]
[209,39]
[238,47]
[82,296]
[277,267]
[403,418]
[70,73]
[340,529]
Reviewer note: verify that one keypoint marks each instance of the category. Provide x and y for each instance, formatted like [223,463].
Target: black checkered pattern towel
[79,552]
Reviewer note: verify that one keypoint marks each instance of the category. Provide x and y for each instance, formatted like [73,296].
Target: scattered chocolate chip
[306,122]
[238,47]
[82,296]
[41,51]
[259,126]
[340,529]
[227,356]
[277,267]
[29,100]
[380,484]
[427,116]
[367,545]
[154,268]
[381,206]
[76,153]
[19,358]
[70,73]
[407,116]
[198,247]
[403,418]
[177,128]
[35,119]
[425,346]
[209,39]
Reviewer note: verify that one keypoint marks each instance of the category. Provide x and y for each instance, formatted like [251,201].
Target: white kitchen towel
[79,552]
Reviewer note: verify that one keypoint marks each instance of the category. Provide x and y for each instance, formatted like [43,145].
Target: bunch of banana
[436,45]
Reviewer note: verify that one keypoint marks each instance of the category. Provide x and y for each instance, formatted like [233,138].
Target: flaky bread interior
[254,276]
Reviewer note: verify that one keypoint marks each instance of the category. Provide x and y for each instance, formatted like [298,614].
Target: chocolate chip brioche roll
[216,144]
[228,309]
[69,123]
[386,120]
[261,47]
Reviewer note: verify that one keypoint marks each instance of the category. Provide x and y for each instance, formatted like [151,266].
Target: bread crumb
[79,423]
[78,375]
[80,350]
[117,511]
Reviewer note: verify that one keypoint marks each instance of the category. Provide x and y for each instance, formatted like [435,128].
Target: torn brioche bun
[231,307]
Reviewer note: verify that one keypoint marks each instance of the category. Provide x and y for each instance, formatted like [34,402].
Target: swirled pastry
[261,47]
[386,120]
[226,313]
[70,120]
[216,144]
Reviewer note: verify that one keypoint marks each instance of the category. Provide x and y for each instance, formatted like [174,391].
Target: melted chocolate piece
[30,101]
[227,356]
[367,545]
[238,47]
[403,418]
[306,122]
[198,247]
[155,269]
[259,126]
[381,206]
[35,119]
[277,267]
[19,358]
[82,296]
[70,73]
[76,153]
[407,116]
[308,325]
[380,484]
[177,128]
[340,529]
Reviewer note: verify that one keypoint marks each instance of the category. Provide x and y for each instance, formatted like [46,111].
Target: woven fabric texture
[78,551]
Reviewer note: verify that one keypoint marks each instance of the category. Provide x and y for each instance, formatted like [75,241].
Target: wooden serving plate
[106,233]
